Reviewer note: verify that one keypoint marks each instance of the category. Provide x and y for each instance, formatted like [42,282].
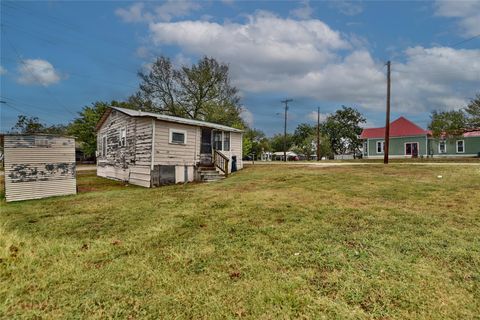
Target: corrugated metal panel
[38,167]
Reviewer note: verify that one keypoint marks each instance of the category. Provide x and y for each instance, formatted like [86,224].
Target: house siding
[130,162]
[471,145]
[39,166]
[397,146]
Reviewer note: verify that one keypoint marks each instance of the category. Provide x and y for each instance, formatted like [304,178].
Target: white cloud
[38,72]
[307,58]
[3,70]
[247,116]
[304,11]
[468,13]
[134,13]
[168,10]
[349,8]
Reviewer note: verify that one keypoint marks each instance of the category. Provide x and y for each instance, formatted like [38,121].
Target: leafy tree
[83,127]
[246,146]
[256,140]
[304,139]
[201,91]
[447,123]
[276,142]
[342,129]
[28,125]
[473,113]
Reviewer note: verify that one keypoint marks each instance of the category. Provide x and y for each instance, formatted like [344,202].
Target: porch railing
[220,161]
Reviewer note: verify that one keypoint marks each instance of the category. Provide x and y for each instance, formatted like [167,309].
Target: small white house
[150,149]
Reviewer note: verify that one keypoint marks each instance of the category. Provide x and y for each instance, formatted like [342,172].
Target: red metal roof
[401,127]
[473,133]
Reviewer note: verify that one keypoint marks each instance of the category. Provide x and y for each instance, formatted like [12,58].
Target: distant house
[409,140]
[150,149]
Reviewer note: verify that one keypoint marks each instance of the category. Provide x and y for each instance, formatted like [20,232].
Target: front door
[206,146]
[411,149]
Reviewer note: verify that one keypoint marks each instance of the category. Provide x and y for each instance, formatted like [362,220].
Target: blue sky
[58,56]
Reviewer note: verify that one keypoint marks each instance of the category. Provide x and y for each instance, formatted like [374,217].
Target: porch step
[209,174]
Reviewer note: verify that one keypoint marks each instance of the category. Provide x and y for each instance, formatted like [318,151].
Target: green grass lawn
[269,242]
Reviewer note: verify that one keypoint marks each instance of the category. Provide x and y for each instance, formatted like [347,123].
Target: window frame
[214,142]
[444,142]
[171,131]
[411,148]
[123,140]
[463,146]
[229,140]
[382,146]
[104,145]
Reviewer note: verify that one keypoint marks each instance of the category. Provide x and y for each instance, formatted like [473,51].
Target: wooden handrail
[221,161]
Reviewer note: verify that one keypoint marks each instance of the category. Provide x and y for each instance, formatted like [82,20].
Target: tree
[30,125]
[256,142]
[473,113]
[343,129]
[201,91]
[83,127]
[304,139]
[447,123]
[276,142]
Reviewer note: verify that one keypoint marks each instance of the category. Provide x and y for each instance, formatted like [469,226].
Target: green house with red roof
[408,140]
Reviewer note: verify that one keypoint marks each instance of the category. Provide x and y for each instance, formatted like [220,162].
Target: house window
[365,148]
[380,146]
[217,140]
[104,146]
[442,146]
[123,137]
[178,136]
[460,146]
[226,141]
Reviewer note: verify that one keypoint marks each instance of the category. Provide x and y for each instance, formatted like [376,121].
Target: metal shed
[38,166]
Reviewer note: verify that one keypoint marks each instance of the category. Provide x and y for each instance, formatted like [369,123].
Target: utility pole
[387,123]
[318,134]
[286,101]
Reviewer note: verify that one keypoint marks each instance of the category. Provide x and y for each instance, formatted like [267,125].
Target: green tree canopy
[447,123]
[304,139]
[343,129]
[83,127]
[201,91]
[473,113]
[28,125]
[276,142]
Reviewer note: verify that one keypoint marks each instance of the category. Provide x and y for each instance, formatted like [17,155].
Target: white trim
[445,144]
[152,156]
[229,141]
[104,144]
[171,131]
[120,135]
[463,146]
[405,148]
[382,147]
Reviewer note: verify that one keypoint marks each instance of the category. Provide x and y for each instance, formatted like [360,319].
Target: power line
[464,41]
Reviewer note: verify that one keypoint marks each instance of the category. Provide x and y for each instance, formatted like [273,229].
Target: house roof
[472,133]
[401,127]
[138,113]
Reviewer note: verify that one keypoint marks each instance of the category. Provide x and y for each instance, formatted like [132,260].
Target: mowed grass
[269,242]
